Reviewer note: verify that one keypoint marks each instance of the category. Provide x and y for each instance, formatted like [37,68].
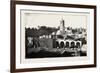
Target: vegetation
[42,30]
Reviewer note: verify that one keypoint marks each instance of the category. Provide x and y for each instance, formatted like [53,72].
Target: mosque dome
[58,32]
[53,33]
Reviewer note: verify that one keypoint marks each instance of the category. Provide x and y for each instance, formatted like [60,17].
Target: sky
[52,19]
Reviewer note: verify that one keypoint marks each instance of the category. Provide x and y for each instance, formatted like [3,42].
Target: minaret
[62,26]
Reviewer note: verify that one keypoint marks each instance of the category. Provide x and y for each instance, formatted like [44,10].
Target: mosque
[61,37]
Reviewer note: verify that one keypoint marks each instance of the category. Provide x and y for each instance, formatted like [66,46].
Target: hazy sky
[52,19]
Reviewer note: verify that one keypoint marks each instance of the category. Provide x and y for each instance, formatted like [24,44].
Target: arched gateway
[68,44]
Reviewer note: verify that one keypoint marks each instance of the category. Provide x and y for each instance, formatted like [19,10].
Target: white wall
[5,37]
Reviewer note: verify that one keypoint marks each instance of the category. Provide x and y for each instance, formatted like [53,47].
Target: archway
[72,45]
[67,44]
[62,44]
[57,44]
[78,44]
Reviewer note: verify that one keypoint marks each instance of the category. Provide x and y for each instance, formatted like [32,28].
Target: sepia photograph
[55,34]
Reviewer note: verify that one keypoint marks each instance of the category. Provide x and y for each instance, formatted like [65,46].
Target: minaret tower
[62,26]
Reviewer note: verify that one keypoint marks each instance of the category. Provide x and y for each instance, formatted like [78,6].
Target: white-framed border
[36,63]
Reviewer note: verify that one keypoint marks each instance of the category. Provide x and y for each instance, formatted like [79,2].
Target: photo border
[13,35]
